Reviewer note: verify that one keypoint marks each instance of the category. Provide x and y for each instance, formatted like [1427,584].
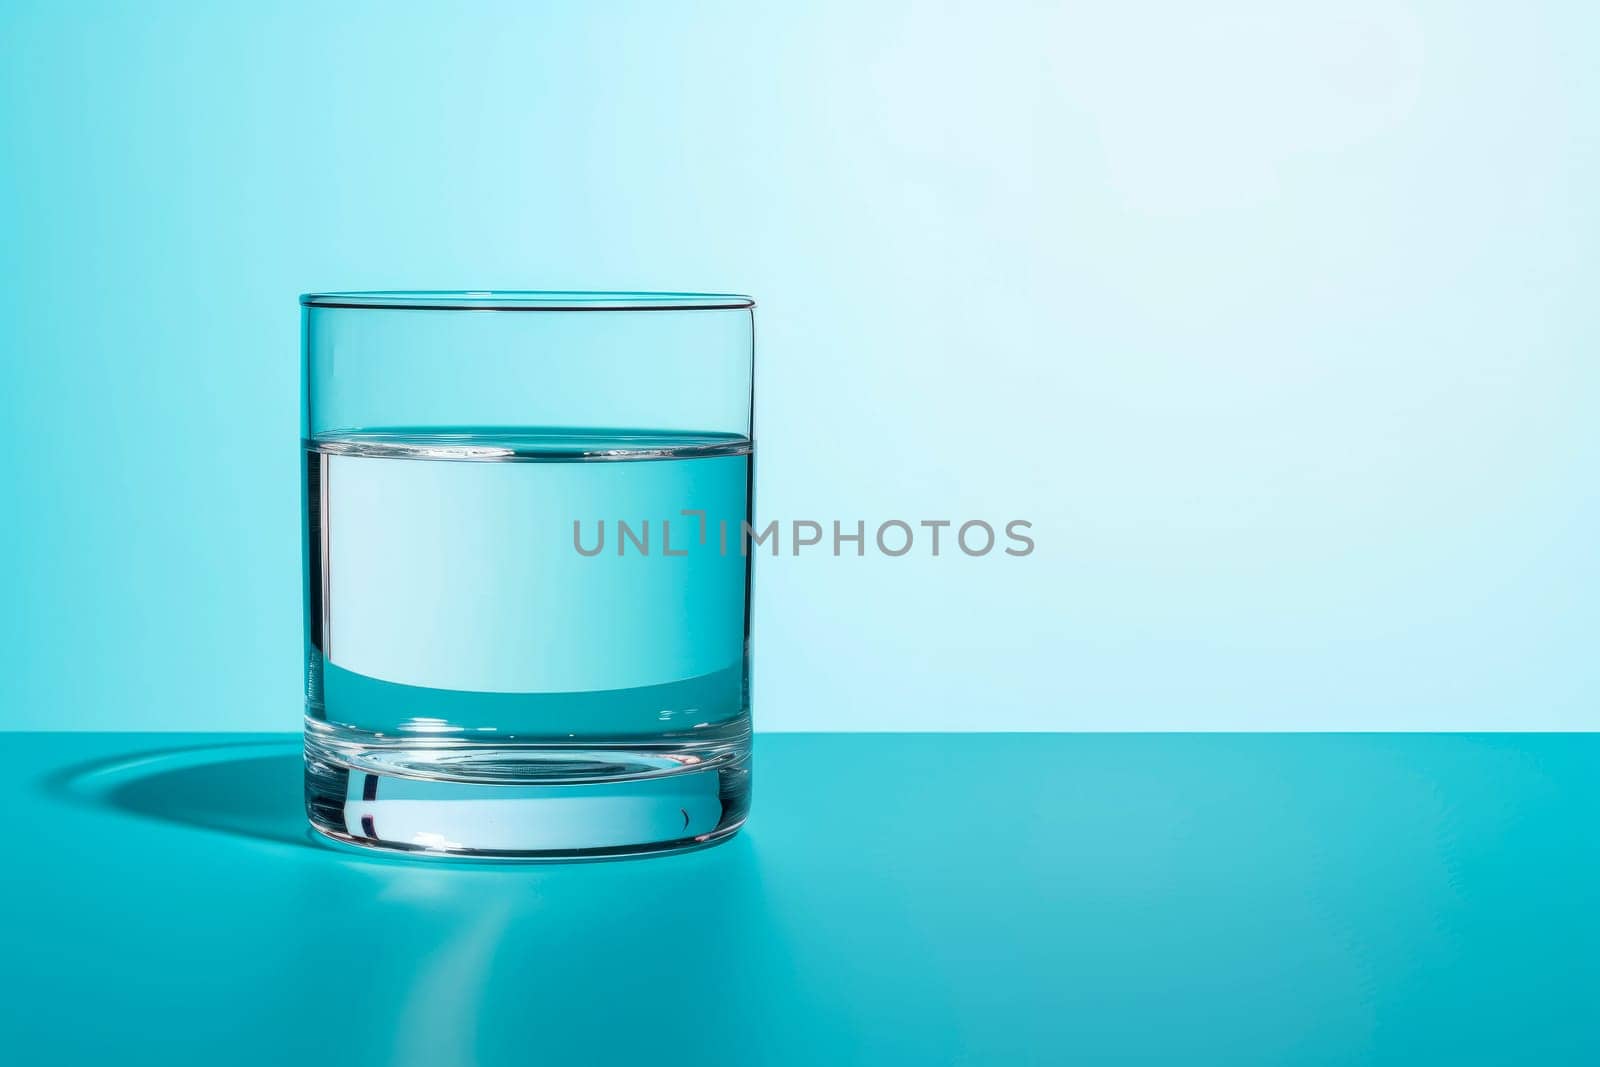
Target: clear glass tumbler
[527,581]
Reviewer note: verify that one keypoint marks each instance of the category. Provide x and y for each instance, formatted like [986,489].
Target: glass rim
[526,300]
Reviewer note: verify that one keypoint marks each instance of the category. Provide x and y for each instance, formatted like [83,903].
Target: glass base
[579,800]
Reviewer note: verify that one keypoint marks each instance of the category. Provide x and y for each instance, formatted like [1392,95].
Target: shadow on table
[247,788]
[428,962]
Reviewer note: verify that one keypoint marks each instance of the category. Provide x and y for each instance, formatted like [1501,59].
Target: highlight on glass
[482,678]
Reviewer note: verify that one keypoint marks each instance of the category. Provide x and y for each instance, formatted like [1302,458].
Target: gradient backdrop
[1280,326]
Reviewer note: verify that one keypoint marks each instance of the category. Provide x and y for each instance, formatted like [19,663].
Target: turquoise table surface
[923,899]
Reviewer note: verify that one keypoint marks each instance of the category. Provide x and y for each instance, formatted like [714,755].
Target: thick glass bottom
[573,800]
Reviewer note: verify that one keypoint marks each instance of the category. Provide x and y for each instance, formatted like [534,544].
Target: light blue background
[1279,325]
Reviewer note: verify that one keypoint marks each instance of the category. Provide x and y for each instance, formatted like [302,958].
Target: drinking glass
[527,582]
